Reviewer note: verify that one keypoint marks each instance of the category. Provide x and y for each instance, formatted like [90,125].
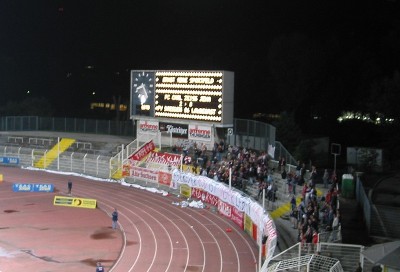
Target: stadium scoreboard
[188,95]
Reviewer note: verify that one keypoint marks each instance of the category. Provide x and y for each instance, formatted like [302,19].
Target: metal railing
[349,256]
[381,221]
[252,134]
[78,125]
[74,162]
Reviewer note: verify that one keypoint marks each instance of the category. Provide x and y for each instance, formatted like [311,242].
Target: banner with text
[75,202]
[26,187]
[9,160]
[164,158]
[147,127]
[200,133]
[176,130]
[142,152]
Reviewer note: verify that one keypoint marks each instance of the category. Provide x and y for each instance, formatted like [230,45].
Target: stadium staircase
[50,156]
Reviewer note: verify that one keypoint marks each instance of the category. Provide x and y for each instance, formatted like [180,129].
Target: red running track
[153,234]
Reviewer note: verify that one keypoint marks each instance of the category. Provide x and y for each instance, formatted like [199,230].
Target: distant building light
[365,117]
[108,106]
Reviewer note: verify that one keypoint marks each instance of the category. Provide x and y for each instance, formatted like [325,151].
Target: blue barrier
[9,160]
[26,187]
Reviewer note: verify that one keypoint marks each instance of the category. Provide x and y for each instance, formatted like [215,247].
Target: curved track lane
[154,234]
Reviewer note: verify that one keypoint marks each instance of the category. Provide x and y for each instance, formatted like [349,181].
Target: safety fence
[77,125]
[324,257]
[74,162]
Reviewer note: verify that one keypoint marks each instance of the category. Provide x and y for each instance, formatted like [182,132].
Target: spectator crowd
[246,167]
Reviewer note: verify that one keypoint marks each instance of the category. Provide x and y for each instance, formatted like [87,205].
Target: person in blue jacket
[114,217]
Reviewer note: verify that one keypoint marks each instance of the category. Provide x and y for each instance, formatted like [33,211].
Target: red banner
[164,178]
[143,151]
[225,209]
[237,217]
[205,196]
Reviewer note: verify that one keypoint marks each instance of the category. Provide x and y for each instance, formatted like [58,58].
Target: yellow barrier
[1,177]
[75,202]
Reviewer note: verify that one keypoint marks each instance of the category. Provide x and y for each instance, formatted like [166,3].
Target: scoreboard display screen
[191,95]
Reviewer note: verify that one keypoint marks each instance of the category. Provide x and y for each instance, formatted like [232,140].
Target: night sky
[66,50]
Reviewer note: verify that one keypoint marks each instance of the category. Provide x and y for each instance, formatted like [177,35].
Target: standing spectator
[295,180]
[269,191]
[289,182]
[252,173]
[315,239]
[294,217]
[303,172]
[302,210]
[293,202]
[270,179]
[261,187]
[304,191]
[284,174]
[114,217]
[334,179]
[69,186]
[282,164]
[313,176]
[325,178]
[298,169]
[99,267]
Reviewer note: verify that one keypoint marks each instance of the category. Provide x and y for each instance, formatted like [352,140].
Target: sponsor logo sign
[164,178]
[224,209]
[202,133]
[177,130]
[75,202]
[148,126]
[144,173]
[9,160]
[248,225]
[26,187]
[185,190]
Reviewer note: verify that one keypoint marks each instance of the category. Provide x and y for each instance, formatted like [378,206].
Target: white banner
[200,133]
[147,127]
